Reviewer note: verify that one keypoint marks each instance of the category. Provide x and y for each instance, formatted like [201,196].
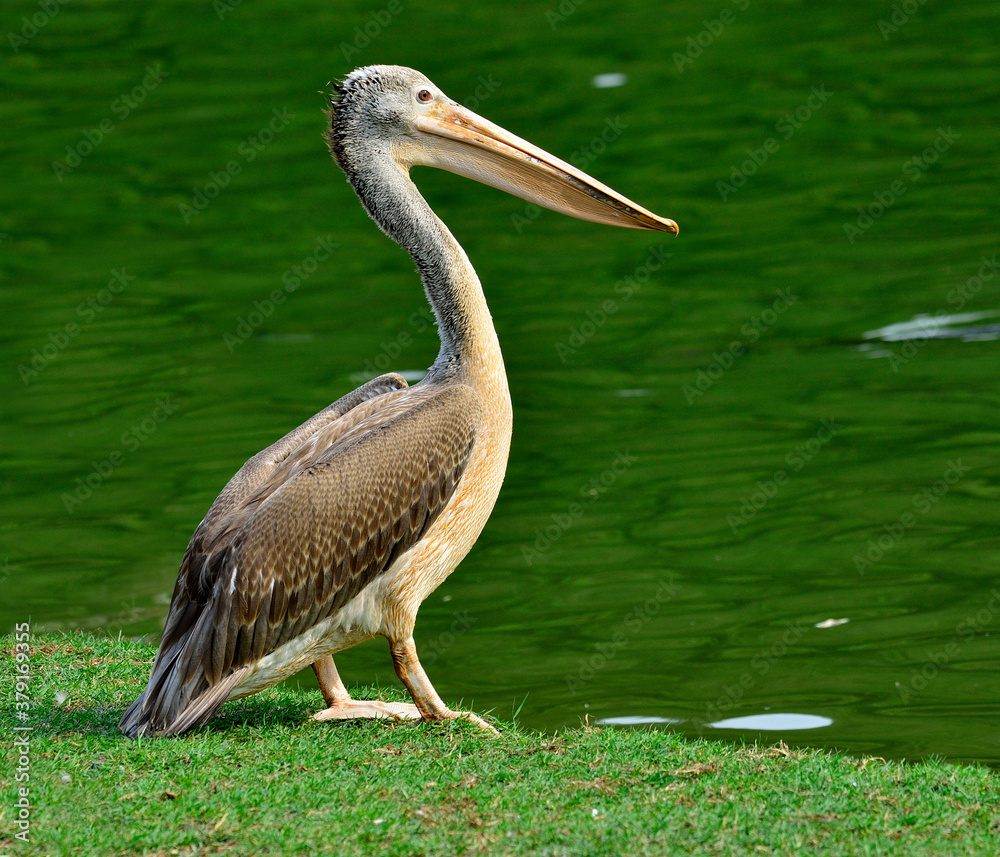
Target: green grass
[263,779]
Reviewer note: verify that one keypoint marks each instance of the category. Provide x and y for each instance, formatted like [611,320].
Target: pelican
[336,533]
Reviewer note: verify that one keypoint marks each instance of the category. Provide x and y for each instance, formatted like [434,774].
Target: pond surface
[753,488]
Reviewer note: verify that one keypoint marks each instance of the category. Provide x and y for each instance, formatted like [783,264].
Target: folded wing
[314,520]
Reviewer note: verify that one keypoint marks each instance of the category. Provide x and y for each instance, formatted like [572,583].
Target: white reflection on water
[938,327]
[773,722]
[605,81]
[634,721]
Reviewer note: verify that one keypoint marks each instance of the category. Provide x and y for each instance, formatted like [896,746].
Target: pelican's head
[397,112]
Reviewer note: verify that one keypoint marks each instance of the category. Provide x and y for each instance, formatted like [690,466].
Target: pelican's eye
[424,95]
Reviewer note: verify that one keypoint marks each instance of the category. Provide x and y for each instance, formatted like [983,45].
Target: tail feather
[157,712]
[179,696]
[132,723]
[200,710]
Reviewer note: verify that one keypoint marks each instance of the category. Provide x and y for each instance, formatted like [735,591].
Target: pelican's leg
[411,673]
[342,707]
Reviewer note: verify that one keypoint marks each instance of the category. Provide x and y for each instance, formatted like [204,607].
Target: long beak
[465,143]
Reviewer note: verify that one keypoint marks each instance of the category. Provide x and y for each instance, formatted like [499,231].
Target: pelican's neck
[468,339]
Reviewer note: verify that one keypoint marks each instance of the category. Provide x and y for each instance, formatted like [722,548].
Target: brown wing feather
[201,564]
[200,567]
[259,470]
[321,524]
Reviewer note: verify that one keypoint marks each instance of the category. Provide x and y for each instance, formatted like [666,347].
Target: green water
[711,466]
